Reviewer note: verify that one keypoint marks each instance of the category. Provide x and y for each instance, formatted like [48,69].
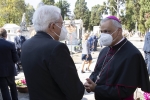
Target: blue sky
[90,3]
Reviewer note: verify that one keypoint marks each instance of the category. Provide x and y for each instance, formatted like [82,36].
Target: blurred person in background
[19,40]
[8,58]
[146,50]
[86,53]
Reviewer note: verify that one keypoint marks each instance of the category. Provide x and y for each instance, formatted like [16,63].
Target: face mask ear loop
[49,27]
[58,26]
[113,33]
[55,33]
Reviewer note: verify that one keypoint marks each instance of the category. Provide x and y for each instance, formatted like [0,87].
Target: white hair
[115,23]
[45,15]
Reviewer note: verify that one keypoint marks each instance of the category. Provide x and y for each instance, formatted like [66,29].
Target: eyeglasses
[62,23]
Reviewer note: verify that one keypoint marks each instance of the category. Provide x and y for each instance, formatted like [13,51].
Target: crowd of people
[51,73]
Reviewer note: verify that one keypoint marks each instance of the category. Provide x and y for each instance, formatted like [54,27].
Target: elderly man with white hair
[120,67]
[48,67]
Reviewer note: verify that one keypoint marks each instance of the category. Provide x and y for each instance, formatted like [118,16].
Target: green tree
[11,11]
[49,2]
[82,12]
[95,15]
[147,23]
[87,20]
[29,13]
[90,27]
[136,11]
[64,6]
[115,5]
[111,4]
[66,18]
[129,16]
[144,16]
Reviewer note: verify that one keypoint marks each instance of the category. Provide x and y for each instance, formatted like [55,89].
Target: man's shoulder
[49,43]
[104,49]
[131,47]
[131,50]
[10,42]
[56,44]
[7,42]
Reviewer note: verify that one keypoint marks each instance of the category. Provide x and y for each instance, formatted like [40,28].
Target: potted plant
[21,85]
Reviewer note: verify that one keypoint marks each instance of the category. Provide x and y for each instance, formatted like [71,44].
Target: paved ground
[77,59]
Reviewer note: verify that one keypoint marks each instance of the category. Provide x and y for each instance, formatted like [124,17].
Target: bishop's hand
[89,85]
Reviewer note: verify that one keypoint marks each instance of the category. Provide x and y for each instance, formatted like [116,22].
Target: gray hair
[115,23]
[45,15]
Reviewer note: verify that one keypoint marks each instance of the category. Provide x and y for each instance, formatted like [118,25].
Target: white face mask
[63,33]
[106,39]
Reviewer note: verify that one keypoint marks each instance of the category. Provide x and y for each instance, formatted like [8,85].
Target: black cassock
[124,70]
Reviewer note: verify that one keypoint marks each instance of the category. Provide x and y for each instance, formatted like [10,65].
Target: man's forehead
[106,25]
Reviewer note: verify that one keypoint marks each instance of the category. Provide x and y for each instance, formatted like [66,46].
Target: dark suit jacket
[49,70]
[8,58]
[19,41]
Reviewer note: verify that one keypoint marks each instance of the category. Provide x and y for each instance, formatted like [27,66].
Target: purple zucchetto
[114,18]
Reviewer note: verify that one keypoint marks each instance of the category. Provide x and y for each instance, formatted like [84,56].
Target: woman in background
[86,54]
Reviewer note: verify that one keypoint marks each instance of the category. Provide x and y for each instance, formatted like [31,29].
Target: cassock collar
[119,44]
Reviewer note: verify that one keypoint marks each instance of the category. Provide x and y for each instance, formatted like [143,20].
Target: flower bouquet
[21,85]
[146,96]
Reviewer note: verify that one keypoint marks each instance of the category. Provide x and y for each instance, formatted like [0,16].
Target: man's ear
[120,31]
[51,26]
